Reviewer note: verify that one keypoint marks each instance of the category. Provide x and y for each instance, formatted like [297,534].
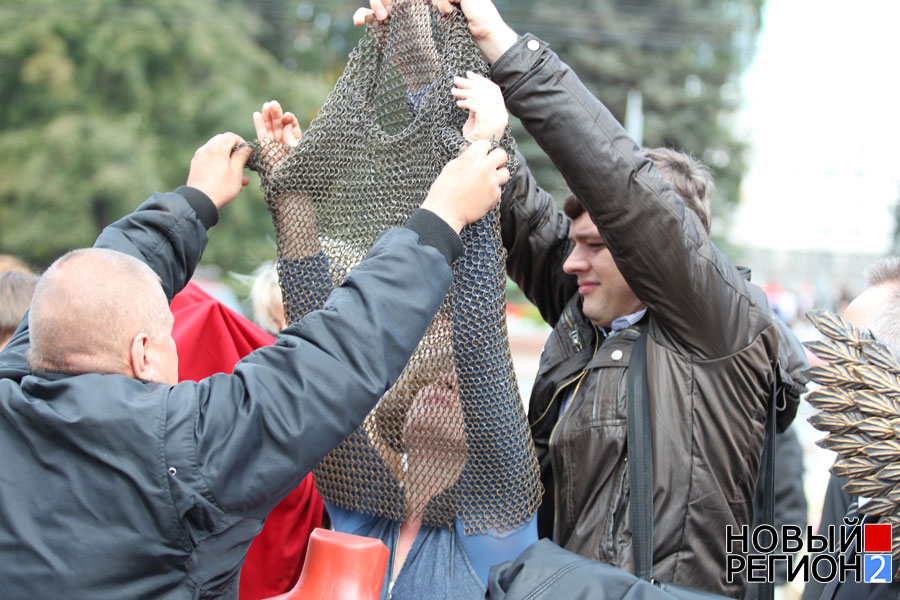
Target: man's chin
[591,312]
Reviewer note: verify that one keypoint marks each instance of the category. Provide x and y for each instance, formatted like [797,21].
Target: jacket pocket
[609,396]
[618,513]
[602,402]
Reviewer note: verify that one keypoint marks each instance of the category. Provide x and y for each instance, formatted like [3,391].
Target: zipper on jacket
[390,590]
[561,387]
[575,337]
[572,330]
[580,378]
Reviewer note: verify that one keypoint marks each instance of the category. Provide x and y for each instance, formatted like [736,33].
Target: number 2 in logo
[877,568]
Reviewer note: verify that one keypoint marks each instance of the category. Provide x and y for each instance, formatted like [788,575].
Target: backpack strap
[767,590]
[639,444]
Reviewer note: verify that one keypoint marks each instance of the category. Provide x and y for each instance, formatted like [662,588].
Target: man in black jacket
[117,482]
[633,257]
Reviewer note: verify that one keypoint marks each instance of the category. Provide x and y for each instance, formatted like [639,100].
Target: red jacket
[210,339]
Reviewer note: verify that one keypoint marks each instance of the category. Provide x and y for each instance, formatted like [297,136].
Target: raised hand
[380,9]
[492,35]
[484,101]
[217,172]
[469,185]
[272,123]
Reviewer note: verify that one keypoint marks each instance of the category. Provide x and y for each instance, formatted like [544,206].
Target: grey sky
[822,100]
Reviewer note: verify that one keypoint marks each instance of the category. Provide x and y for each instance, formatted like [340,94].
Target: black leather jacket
[711,348]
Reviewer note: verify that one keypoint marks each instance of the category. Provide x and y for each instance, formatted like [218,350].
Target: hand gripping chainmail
[450,438]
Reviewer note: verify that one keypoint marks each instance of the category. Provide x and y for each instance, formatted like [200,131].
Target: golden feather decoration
[858,407]
[876,404]
[828,399]
[835,353]
[877,427]
[853,467]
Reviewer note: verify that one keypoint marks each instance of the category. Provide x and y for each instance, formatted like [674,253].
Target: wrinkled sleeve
[256,433]
[659,245]
[536,237]
[167,232]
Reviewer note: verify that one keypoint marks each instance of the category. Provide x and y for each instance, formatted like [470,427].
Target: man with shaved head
[100,311]
[877,309]
[117,481]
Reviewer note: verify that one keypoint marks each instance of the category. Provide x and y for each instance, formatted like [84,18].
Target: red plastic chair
[340,566]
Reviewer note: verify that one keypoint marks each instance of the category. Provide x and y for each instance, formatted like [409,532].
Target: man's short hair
[87,308]
[692,180]
[16,289]
[885,320]
[886,270]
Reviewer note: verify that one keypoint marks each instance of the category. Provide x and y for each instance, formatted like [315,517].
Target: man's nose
[575,262]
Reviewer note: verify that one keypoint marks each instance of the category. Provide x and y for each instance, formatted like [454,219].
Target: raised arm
[293,213]
[294,402]
[536,237]
[534,232]
[659,246]
[167,231]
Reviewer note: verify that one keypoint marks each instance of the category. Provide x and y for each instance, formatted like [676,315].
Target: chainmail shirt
[450,437]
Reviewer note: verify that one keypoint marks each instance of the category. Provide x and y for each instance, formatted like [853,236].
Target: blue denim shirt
[443,563]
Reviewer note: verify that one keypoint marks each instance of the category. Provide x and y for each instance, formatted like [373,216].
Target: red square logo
[877,537]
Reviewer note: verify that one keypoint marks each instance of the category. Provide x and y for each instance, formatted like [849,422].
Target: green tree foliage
[684,57]
[105,101]
[309,36]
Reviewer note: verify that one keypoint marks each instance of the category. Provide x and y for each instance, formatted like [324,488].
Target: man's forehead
[583,228]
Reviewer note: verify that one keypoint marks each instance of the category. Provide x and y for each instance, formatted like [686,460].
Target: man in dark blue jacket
[117,482]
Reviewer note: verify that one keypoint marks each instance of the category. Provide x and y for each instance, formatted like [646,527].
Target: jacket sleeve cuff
[433,231]
[521,58]
[202,205]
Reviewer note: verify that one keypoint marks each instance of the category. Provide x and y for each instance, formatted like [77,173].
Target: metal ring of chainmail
[450,438]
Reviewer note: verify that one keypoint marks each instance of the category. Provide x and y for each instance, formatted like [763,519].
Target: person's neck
[409,528]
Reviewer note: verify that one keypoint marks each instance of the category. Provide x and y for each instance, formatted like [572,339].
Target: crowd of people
[125,476]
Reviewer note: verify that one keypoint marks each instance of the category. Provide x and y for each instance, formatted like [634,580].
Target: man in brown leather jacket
[637,258]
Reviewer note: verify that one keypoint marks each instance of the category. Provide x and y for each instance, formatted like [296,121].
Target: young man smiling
[634,236]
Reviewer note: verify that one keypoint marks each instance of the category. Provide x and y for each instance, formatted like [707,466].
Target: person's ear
[142,364]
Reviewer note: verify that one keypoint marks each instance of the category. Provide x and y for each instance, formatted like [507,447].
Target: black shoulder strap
[767,590]
[640,459]
[640,464]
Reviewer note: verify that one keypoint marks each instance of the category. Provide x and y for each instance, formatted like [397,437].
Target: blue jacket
[113,487]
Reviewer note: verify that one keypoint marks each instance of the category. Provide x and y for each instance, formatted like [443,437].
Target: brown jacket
[710,354]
